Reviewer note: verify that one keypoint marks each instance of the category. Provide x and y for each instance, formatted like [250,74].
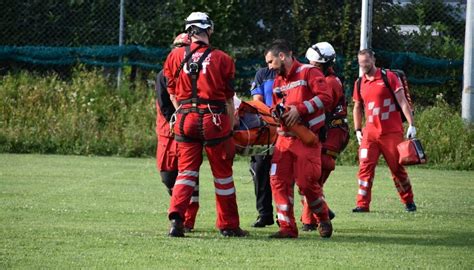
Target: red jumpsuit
[305,87]
[337,136]
[167,151]
[206,125]
[382,133]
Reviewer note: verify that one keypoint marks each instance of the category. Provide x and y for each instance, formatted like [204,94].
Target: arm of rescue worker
[169,69]
[230,110]
[358,107]
[396,84]
[322,98]
[402,101]
[357,114]
[174,101]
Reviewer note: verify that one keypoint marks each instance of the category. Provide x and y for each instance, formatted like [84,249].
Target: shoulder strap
[194,77]
[389,87]
[189,53]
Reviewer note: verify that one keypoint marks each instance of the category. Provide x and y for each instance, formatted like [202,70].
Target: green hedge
[86,116]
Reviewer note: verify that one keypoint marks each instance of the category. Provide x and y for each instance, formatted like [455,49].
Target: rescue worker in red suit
[200,88]
[302,89]
[383,130]
[166,152]
[323,56]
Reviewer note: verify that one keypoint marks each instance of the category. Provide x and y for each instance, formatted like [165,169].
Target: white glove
[411,132]
[359,136]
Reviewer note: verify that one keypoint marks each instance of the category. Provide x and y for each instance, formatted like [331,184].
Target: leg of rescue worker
[167,161]
[260,169]
[282,182]
[328,164]
[388,145]
[369,153]
[191,212]
[308,171]
[190,159]
[221,157]
[307,217]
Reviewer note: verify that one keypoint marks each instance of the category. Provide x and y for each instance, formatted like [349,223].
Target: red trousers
[220,156]
[328,164]
[370,149]
[167,160]
[295,162]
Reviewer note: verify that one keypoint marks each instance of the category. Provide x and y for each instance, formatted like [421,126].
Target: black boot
[176,228]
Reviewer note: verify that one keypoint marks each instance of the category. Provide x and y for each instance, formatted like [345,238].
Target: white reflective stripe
[224,181]
[309,106]
[315,202]
[190,183]
[225,192]
[318,102]
[283,217]
[195,199]
[283,207]
[290,86]
[317,120]
[189,173]
[362,192]
[273,169]
[303,67]
[196,188]
[363,183]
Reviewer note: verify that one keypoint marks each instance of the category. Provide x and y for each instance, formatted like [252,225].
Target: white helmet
[321,52]
[199,19]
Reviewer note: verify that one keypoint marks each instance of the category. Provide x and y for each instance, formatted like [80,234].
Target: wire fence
[424,37]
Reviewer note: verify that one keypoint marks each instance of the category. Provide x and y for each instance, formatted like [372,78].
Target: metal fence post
[468,88]
[121,32]
[366,26]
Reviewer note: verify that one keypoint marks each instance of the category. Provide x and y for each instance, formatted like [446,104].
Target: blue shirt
[263,85]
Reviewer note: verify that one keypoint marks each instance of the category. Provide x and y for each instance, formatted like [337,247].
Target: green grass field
[104,212]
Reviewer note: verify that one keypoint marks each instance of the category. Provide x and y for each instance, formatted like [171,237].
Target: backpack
[403,78]
[257,131]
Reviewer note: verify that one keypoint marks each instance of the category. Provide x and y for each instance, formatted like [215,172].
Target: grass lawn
[106,212]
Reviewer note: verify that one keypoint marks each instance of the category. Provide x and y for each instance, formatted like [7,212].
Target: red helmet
[182,40]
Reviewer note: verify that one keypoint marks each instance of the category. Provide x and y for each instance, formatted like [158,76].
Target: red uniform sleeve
[394,81]
[229,74]
[355,93]
[169,71]
[322,95]
[336,89]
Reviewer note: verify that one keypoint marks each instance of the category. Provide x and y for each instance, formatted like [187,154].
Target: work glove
[411,132]
[359,136]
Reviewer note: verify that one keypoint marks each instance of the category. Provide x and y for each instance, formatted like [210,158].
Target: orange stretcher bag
[256,133]
[411,152]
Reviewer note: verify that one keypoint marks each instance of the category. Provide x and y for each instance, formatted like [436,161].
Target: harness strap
[211,102]
[211,142]
[189,53]
[202,110]
[194,70]
[337,122]
[331,153]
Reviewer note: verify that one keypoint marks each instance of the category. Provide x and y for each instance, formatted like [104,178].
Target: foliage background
[84,116]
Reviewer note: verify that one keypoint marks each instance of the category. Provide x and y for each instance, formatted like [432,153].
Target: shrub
[87,116]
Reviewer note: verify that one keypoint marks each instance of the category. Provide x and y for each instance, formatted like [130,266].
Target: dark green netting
[152,58]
